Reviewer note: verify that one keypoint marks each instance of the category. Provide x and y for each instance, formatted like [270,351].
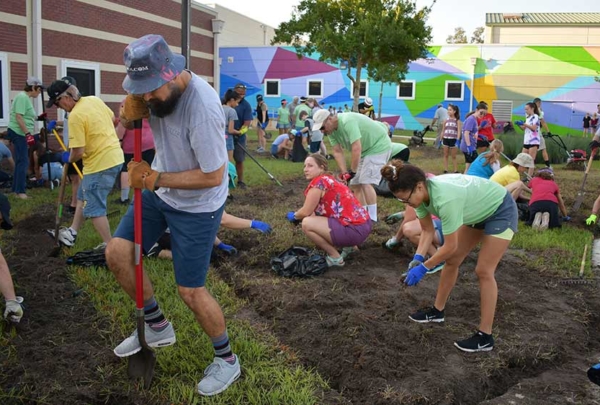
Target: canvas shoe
[131,345]
[347,251]
[331,262]
[537,221]
[545,221]
[426,315]
[219,376]
[479,342]
[64,236]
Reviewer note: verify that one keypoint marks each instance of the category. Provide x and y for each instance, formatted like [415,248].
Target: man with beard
[184,190]
[92,137]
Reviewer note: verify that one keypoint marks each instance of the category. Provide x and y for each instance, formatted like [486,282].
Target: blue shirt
[470,125]
[244,113]
[478,169]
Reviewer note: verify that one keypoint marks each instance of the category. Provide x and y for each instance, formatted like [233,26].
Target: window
[4,90]
[455,90]
[314,88]
[87,76]
[272,87]
[363,91]
[406,90]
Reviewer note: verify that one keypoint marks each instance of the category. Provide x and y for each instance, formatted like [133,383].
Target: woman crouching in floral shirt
[331,215]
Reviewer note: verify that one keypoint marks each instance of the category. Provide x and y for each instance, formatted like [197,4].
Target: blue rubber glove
[519,122]
[290,217]
[417,259]
[51,125]
[261,226]
[471,148]
[415,275]
[230,250]
[65,157]
[484,124]
[264,125]
[566,218]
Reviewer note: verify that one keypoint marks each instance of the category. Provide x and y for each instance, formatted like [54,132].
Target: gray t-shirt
[315,136]
[230,115]
[191,137]
[441,114]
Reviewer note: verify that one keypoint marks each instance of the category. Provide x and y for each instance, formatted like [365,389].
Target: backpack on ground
[299,261]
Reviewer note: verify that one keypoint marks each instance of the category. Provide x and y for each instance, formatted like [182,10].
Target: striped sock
[222,348]
[154,316]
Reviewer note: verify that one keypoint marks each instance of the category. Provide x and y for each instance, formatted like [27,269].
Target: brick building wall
[91,35]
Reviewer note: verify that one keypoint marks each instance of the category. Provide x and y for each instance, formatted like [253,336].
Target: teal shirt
[22,105]
[283,114]
[373,136]
[459,199]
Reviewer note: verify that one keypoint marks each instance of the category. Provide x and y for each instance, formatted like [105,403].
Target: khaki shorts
[369,169]
[542,143]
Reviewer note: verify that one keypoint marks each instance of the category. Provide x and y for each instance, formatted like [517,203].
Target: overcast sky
[446,14]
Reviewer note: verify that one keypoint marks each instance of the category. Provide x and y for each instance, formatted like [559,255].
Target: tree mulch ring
[351,325]
[61,352]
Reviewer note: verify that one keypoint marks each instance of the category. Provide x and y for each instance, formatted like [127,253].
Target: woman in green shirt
[20,126]
[473,210]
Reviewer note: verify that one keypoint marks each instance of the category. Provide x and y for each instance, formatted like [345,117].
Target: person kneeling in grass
[510,176]
[545,202]
[473,211]
[282,145]
[331,216]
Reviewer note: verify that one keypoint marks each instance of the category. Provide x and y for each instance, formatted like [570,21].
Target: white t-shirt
[532,137]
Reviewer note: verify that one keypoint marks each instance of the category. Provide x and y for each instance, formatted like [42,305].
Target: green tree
[386,73]
[459,37]
[477,37]
[359,32]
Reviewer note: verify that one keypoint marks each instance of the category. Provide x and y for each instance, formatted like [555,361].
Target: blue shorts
[274,149]
[94,190]
[192,236]
[283,126]
[229,142]
[505,217]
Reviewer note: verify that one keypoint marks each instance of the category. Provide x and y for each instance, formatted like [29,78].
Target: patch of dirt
[351,324]
[59,352]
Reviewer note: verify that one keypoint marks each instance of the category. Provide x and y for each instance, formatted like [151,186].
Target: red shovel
[141,364]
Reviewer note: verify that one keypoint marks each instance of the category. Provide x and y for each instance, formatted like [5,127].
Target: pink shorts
[349,235]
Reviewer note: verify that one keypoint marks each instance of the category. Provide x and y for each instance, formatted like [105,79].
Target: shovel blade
[578,202]
[141,365]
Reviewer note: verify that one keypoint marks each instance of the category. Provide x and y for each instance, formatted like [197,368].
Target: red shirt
[543,190]
[488,130]
[338,201]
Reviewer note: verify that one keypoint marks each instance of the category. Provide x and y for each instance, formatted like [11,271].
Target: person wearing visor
[184,190]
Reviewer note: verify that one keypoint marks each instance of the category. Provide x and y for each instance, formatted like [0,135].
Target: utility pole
[185,31]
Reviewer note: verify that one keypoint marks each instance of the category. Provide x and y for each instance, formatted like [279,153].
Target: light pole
[185,31]
[217,28]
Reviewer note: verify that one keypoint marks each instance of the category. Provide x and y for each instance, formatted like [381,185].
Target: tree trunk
[356,94]
[380,101]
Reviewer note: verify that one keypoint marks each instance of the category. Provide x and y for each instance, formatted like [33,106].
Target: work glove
[134,108]
[290,216]
[228,249]
[29,139]
[415,274]
[51,125]
[243,130]
[591,220]
[519,123]
[14,311]
[349,175]
[42,116]
[392,243]
[566,218]
[484,124]
[264,125]
[471,148]
[261,226]
[417,259]
[65,157]
[142,176]
[372,108]
[393,218]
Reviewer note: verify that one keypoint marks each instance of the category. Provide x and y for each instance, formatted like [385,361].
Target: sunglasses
[408,198]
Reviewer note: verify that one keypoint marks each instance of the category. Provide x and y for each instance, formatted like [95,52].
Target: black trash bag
[299,154]
[382,189]
[299,261]
[88,258]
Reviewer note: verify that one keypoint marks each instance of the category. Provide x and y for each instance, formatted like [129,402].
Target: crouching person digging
[185,190]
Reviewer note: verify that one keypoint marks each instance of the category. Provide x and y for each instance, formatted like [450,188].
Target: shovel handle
[137,220]
[582,268]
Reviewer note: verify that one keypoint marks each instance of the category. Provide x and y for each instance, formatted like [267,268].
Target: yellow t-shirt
[507,175]
[91,127]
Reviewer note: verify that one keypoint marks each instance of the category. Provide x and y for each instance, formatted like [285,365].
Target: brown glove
[134,108]
[142,176]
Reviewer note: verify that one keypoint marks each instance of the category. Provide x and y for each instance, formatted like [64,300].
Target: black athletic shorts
[449,142]
[470,157]
[530,146]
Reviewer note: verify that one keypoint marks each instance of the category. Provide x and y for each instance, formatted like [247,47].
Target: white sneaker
[64,236]
[131,345]
[219,376]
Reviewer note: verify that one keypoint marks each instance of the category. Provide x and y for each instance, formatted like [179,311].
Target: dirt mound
[60,352]
[351,324]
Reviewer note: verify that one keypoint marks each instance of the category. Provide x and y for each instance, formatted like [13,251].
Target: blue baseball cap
[150,63]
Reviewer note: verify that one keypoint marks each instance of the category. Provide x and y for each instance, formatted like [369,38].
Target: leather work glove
[14,311]
[591,220]
[134,108]
[142,176]
[417,259]
[392,243]
[243,130]
[415,275]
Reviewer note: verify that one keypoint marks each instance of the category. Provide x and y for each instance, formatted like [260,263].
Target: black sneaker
[241,185]
[154,250]
[427,315]
[479,342]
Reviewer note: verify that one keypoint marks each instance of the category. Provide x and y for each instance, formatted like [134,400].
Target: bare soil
[61,354]
[351,324]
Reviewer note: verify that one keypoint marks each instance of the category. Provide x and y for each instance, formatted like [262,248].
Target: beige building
[240,30]
[542,28]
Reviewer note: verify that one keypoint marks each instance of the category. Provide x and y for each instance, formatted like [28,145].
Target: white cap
[523,159]
[320,117]
[34,81]
[368,101]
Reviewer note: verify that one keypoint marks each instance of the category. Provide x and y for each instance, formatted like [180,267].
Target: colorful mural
[562,76]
